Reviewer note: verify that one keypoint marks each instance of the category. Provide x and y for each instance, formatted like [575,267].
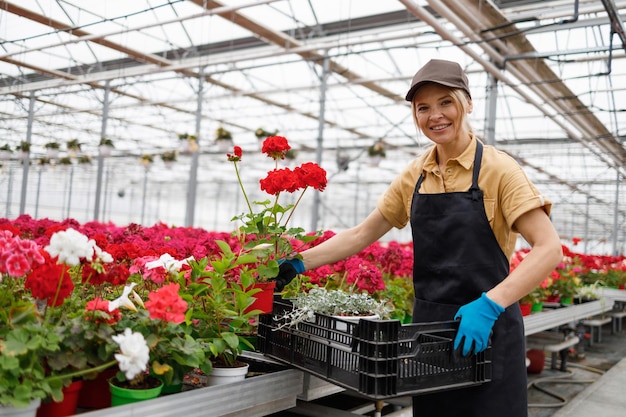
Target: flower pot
[29,411]
[526,308]
[264,300]
[566,300]
[221,376]
[64,408]
[224,145]
[536,307]
[95,393]
[121,396]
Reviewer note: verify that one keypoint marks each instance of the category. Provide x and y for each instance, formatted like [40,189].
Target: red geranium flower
[51,282]
[275,147]
[166,304]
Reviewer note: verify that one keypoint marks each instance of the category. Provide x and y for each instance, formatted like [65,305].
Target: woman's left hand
[477,319]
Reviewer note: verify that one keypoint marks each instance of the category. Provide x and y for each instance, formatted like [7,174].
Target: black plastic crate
[376,358]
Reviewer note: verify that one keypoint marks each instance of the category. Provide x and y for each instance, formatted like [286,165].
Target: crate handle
[356,337]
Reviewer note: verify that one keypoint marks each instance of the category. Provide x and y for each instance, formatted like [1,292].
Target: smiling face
[440,113]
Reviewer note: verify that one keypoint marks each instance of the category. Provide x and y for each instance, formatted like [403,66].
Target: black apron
[456,258]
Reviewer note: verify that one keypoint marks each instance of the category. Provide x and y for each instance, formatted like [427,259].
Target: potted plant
[261,133]
[23,148]
[189,143]
[376,152]
[168,158]
[105,146]
[5,152]
[172,349]
[146,160]
[64,161]
[221,294]
[43,162]
[52,149]
[84,160]
[223,139]
[533,298]
[73,146]
[264,227]
[350,306]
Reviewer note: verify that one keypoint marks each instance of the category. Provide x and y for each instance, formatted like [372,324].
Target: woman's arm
[535,226]
[347,242]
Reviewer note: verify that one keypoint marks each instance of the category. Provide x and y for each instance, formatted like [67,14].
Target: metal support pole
[586,236]
[195,157]
[320,138]
[38,192]
[103,131]
[69,193]
[26,160]
[490,111]
[616,213]
[107,196]
[145,189]
[9,193]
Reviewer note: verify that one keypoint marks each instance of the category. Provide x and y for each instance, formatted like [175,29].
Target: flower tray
[376,358]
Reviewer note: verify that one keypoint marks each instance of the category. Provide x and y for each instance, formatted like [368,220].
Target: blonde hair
[461,100]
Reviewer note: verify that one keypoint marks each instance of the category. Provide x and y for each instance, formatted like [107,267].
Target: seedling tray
[376,358]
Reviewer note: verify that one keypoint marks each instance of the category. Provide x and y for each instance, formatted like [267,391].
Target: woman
[466,203]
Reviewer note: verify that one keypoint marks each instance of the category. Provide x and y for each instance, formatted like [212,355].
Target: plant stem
[294,206]
[242,188]
[83,372]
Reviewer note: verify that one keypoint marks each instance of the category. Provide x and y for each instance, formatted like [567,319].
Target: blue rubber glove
[287,270]
[477,319]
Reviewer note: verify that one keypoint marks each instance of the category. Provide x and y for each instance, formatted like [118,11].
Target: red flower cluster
[285,179]
[275,147]
[166,304]
[236,155]
[54,291]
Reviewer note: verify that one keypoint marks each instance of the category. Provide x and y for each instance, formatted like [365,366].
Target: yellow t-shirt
[508,193]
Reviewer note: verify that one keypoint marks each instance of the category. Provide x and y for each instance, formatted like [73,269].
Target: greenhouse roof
[548,83]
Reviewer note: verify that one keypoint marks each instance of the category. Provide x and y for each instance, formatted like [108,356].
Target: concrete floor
[564,387]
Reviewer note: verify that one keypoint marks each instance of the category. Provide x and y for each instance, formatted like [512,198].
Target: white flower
[70,246]
[123,300]
[168,262]
[135,353]
[102,256]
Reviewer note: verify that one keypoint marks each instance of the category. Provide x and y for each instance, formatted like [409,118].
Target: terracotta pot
[67,406]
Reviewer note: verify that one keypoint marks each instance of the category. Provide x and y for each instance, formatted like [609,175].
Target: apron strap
[478,157]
